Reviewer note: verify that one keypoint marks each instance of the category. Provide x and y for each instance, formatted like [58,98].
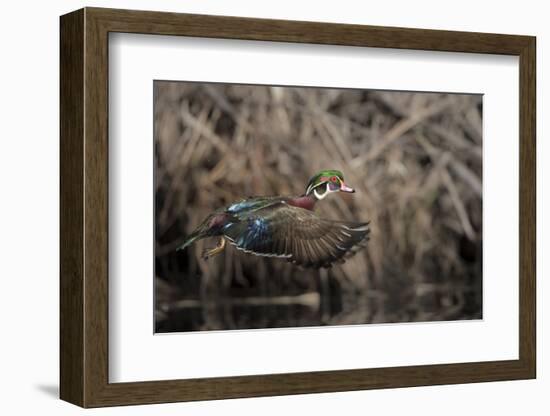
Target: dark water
[331,305]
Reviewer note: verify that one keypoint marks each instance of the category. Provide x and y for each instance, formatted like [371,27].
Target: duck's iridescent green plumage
[286,227]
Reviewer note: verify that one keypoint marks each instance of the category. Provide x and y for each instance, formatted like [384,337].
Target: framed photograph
[255,207]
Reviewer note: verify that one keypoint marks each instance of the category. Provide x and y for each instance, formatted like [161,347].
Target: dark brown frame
[84,209]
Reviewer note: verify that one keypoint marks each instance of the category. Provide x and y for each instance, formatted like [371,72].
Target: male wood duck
[286,227]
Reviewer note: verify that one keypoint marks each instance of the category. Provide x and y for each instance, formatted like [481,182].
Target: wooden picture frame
[84,207]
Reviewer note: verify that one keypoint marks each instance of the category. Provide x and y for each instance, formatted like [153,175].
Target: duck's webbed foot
[211,252]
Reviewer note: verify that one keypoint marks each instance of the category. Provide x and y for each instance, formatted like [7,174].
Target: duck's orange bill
[345,188]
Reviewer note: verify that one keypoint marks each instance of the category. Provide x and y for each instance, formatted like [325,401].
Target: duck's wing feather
[297,234]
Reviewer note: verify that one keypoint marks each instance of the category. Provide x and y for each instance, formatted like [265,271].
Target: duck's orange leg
[207,253]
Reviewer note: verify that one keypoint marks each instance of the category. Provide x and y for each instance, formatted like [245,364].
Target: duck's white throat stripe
[324,194]
[318,195]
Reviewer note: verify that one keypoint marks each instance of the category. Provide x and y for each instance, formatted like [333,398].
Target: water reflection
[331,307]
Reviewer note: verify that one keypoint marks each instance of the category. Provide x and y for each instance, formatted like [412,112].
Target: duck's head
[326,182]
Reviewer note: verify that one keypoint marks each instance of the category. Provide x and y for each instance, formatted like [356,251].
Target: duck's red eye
[334,179]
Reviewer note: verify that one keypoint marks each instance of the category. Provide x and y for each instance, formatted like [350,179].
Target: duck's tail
[191,238]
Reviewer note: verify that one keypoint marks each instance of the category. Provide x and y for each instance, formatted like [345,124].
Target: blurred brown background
[413,158]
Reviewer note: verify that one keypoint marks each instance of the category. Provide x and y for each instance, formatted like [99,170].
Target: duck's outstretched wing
[296,234]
